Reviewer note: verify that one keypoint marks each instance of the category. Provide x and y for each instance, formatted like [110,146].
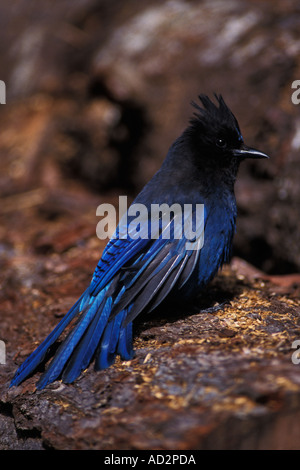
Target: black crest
[212,116]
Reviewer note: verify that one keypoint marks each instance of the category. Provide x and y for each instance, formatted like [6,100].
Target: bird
[136,275]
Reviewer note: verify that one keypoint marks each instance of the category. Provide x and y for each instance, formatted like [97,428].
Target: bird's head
[215,130]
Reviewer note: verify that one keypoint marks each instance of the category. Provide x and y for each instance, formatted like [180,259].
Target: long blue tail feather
[124,348]
[108,344]
[38,355]
[69,344]
[88,343]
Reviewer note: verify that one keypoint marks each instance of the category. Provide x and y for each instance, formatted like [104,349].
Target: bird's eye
[221,143]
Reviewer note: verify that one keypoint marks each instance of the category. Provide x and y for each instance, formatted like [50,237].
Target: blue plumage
[135,275]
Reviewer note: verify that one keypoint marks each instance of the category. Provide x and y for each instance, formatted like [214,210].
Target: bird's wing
[120,250]
[168,262]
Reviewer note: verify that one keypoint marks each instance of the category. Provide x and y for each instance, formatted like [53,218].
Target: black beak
[248,152]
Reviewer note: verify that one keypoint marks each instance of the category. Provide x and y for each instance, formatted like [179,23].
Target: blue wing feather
[38,355]
[68,345]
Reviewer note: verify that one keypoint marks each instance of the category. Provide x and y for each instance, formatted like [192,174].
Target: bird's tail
[94,334]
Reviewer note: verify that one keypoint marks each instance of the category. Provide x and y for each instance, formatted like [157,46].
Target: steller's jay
[136,274]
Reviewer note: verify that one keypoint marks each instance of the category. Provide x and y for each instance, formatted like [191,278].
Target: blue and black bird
[135,275]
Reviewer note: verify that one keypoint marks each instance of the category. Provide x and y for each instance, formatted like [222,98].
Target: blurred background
[97,90]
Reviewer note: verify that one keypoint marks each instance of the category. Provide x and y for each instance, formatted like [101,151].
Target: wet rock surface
[96,92]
